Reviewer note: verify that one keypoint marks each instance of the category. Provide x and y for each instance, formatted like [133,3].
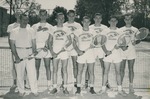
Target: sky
[51,4]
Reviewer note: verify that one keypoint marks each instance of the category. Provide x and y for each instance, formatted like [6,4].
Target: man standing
[9,29]
[129,54]
[73,26]
[22,43]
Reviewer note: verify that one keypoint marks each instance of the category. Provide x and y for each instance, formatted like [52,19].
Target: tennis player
[58,42]
[114,56]
[98,52]
[84,38]
[73,26]
[129,54]
[43,30]
[9,29]
[22,43]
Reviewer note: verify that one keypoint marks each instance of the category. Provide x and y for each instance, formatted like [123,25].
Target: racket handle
[19,62]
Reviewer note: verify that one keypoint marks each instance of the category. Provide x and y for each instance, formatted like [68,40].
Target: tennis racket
[141,35]
[97,41]
[122,41]
[41,52]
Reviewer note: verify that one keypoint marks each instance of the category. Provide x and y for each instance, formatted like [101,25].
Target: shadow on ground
[44,95]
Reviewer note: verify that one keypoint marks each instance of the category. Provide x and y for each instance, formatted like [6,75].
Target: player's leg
[131,74]
[37,65]
[14,74]
[65,75]
[31,73]
[87,76]
[90,67]
[122,70]
[105,76]
[48,71]
[79,77]
[75,69]
[118,78]
[54,77]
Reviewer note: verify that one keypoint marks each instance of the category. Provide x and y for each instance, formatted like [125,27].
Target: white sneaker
[102,92]
[122,93]
[131,89]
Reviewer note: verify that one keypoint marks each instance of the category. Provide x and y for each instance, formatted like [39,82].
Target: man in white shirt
[84,38]
[129,54]
[73,26]
[43,30]
[22,43]
[9,29]
[59,40]
[112,56]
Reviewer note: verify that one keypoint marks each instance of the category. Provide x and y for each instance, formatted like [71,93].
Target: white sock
[75,80]
[79,85]
[65,86]
[119,88]
[48,82]
[55,85]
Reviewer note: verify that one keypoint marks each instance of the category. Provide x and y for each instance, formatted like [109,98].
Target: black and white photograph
[74,49]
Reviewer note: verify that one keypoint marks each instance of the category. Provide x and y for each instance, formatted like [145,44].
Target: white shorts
[87,57]
[98,52]
[115,57]
[48,55]
[63,55]
[73,53]
[128,54]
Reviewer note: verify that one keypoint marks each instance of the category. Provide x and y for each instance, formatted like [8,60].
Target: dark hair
[60,13]
[128,14]
[71,11]
[113,16]
[22,15]
[86,17]
[42,10]
[99,14]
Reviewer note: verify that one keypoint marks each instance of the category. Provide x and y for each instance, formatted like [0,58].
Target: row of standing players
[24,40]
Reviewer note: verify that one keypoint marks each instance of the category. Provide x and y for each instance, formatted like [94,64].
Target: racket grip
[19,62]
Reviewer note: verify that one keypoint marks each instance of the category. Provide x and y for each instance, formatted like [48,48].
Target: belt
[24,47]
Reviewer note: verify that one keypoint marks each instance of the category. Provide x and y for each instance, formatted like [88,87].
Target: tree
[56,10]
[106,7]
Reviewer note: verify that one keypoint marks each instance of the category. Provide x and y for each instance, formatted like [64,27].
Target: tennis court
[141,81]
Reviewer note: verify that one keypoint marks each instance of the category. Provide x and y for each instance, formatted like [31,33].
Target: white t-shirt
[42,33]
[99,29]
[22,36]
[112,37]
[59,37]
[85,38]
[14,25]
[130,31]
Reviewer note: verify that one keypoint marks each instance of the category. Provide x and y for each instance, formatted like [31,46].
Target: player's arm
[75,46]
[107,52]
[69,41]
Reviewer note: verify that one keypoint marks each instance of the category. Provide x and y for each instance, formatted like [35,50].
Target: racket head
[124,40]
[99,40]
[143,33]
[41,53]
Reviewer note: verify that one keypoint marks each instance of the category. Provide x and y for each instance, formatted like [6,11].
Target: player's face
[98,19]
[43,15]
[128,20]
[86,22]
[71,16]
[60,19]
[17,14]
[24,20]
[113,22]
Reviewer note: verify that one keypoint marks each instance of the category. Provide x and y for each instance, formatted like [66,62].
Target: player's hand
[108,53]
[81,53]
[116,47]
[17,60]
[54,55]
[45,49]
[124,48]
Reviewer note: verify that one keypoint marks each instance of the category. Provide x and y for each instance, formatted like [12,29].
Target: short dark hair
[70,11]
[99,14]
[86,17]
[113,16]
[128,14]
[22,15]
[60,13]
[42,10]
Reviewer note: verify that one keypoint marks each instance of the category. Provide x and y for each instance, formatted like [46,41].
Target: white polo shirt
[22,36]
